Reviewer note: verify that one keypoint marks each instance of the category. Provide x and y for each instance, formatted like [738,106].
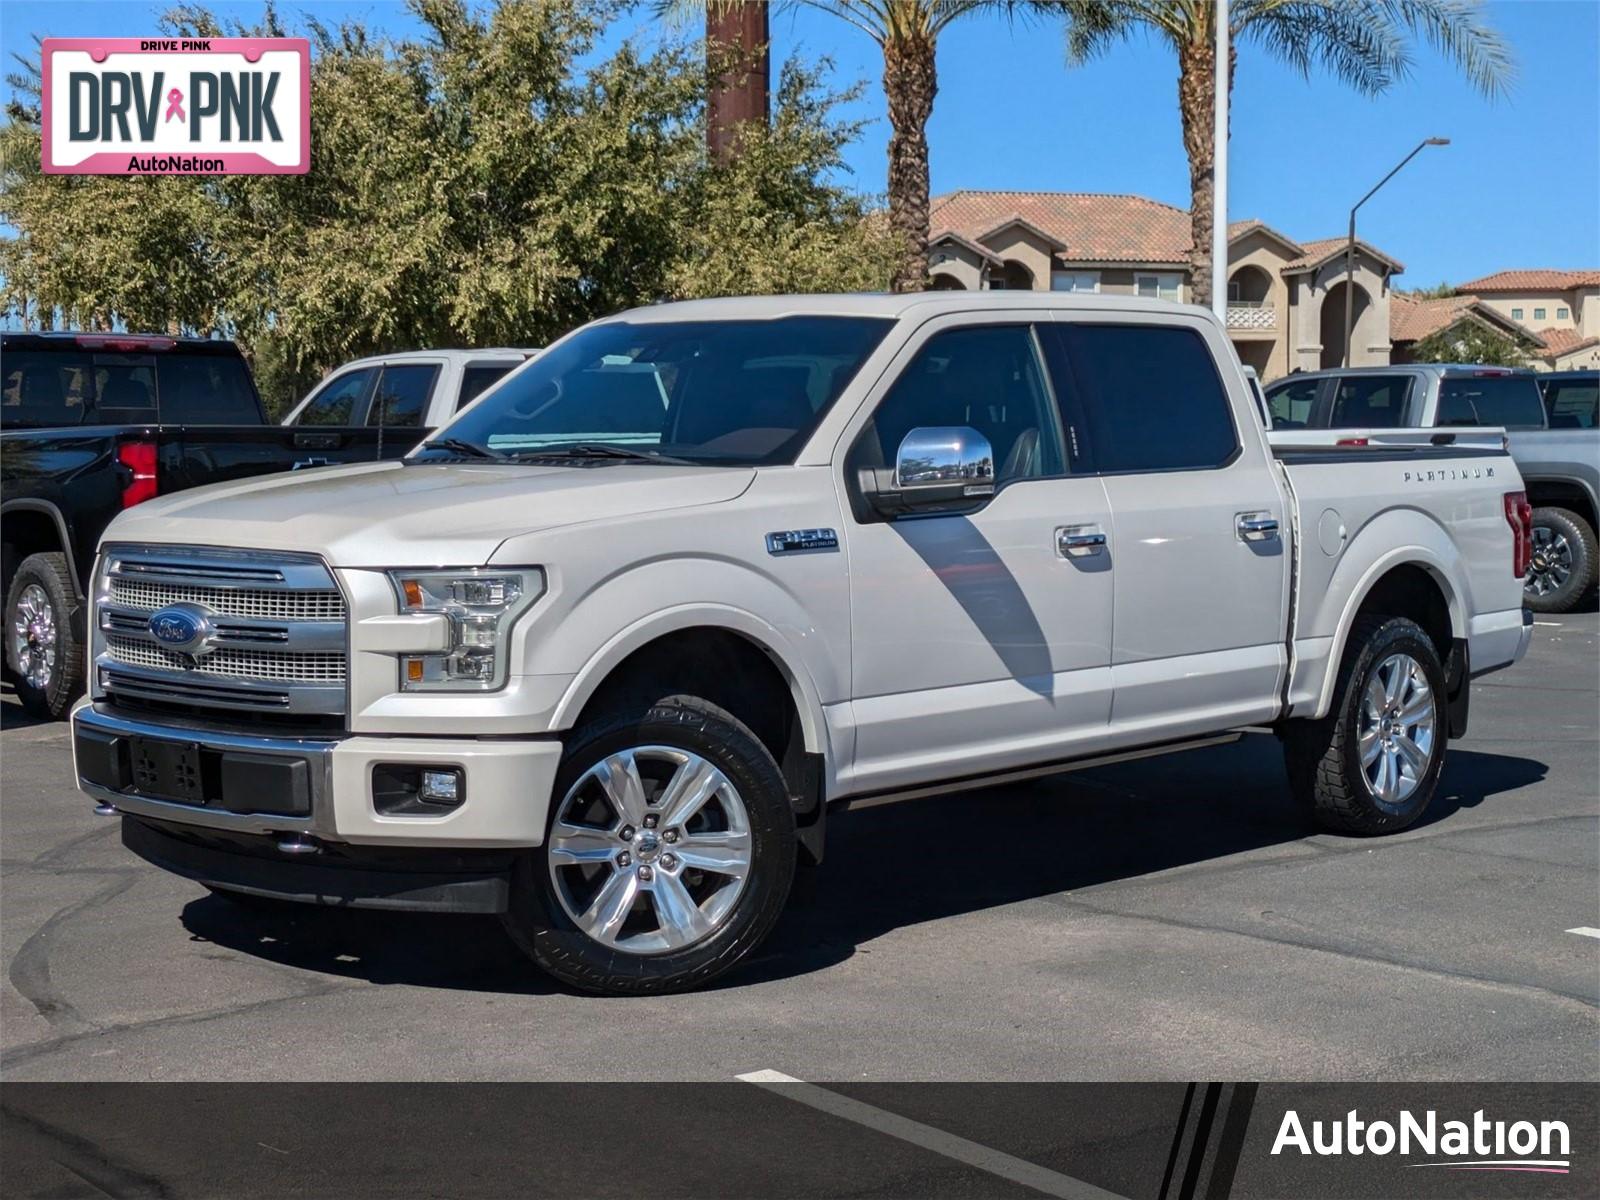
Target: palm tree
[1364,43]
[908,32]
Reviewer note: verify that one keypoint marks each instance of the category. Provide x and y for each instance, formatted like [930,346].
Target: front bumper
[317,787]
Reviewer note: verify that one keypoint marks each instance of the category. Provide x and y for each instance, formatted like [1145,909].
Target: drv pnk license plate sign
[177,106]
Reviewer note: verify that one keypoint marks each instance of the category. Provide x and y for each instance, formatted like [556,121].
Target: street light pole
[1350,246]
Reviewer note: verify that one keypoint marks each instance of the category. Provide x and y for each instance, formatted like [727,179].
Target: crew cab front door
[980,635]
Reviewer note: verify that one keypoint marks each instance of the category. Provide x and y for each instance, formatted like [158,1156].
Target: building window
[1158,287]
[1538,314]
[1562,314]
[1075,281]
[1516,314]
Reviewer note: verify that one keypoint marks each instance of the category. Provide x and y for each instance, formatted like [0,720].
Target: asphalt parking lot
[1165,919]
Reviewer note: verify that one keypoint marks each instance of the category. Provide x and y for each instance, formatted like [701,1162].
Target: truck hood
[394,514]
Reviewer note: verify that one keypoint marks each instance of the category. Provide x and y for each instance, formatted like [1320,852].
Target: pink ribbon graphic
[175,106]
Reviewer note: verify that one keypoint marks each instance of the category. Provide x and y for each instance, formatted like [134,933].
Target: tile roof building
[1561,307]
[1285,297]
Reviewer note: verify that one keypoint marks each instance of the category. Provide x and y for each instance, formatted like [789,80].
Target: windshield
[725,392]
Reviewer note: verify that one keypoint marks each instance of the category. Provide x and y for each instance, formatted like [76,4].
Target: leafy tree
[486,182]
[1468,341]
[1363,43]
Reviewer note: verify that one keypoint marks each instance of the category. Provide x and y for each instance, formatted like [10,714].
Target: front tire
[1372,764]
[42,648]
[668,857]
[1563,567]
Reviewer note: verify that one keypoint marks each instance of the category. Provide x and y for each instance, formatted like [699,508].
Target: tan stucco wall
[1369,338]
[1550,301]
[1018,245]
[957,262]
[1258,250]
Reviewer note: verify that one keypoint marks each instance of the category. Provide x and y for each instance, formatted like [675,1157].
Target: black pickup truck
[91,424]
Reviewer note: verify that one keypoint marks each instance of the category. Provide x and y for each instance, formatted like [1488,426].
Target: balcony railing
[1252,315]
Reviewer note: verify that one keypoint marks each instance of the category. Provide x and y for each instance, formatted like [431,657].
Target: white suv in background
[414,389]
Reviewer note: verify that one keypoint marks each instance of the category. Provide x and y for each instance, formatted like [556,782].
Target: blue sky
[1519,186]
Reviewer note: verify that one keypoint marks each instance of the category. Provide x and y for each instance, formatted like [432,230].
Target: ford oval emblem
[181,627]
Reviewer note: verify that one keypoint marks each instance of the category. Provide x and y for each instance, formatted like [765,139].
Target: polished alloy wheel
[34,637]
[1398,715]
[1551,565]
[650,850]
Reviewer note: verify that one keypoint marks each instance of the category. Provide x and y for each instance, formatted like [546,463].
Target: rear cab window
[74,385]
[1510,401]
[1370,402]
[1151,396]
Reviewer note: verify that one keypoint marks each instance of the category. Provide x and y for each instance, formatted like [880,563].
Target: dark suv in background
[1550,425]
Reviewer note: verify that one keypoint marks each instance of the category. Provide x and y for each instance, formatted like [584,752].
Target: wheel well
[735,674]
[1410,591]
[27,531]
[1554,494]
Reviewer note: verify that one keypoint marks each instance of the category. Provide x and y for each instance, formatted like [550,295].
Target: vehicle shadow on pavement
[927,860]
[12,714]
[460,952]
[889,866]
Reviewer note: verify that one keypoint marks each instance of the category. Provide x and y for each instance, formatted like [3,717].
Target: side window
[1151,395]
[1291,403]
[1370,401]
[1572,403]
[335,403]
[401,397]
[44,388]
[477,379]
[987,377]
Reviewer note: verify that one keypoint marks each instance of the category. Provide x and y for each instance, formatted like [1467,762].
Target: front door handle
[1256,526]
[1079,541]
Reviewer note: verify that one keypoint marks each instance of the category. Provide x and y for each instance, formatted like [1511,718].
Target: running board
[1060,767]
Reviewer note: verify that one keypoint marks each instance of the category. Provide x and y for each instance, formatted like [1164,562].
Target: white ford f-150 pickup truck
[601,655]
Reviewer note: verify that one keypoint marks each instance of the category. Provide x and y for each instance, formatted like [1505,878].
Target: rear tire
[1563,568]
[42,649]
[1372,764]
[638,890]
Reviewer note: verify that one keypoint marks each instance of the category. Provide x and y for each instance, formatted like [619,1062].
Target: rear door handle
[1256,526]
[1079,541]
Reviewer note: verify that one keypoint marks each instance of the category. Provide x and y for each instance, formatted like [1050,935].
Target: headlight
[481,605]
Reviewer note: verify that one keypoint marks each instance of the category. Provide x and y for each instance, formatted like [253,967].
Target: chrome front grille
[273,630]
[241,664]
[146,596]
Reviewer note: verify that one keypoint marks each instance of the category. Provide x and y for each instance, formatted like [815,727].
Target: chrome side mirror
[937,467]
[946,459]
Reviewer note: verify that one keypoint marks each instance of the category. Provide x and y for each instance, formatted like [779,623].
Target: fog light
[411,790]
[441,787]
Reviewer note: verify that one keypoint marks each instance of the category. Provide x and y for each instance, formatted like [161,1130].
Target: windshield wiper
[471,449]
[601,450]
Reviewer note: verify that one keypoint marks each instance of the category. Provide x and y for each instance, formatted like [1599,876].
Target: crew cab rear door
[1199,523]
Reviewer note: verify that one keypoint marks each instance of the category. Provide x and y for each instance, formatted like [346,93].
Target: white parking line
[1549,624]
[984,1158]
[1585,931]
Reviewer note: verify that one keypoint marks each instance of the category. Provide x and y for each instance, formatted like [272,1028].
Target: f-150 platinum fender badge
[798,541]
